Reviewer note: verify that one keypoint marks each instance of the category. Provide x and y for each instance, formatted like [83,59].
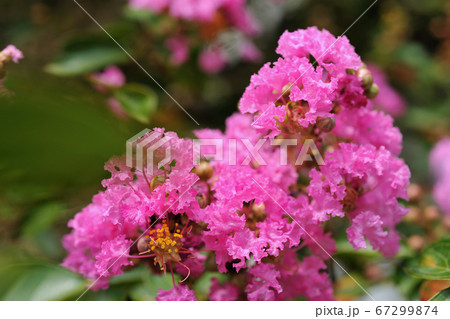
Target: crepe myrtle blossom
[363,183]
[238,142]
[177,293]
[167,217]
[317,77]
[261,226]
[8,55]
[111,78]
[179,46]
[139,216]
[367,126]
[440,166]
[289,278]
[223,292]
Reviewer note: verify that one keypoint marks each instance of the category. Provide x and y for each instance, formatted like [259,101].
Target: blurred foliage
[443,295]
[434,262]
[56,132]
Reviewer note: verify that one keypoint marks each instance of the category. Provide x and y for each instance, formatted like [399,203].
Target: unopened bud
[366,77]
[431,213]
[259,212]
[142,244]
[286,89]
[204,171]
[414,214]
[325,124]
[156,181]
[415,192]
[372,92]
[416,242]
[202,200]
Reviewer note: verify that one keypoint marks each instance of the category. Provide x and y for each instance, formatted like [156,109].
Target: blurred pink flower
[440,166]
[111,77]
[116,108]
[387,99]
[179,46]
[12,53]
[212,60]
[249,52]
[153,5]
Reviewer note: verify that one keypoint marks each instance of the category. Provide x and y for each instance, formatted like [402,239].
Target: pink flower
[225,292]
[369,225]
[388,99]
[11,52]
[306,95]
[365,126]
[315,78]
[241,18]
[256,215]
[195,264]
[440,166]
[212,60]
[303,278]
[177,293]
[199,10]
[153,5]
[350,93]
[135,201]
[249,52]
[112,77]
[243,220]
[364,183]
[235,152]
[334,54]
[113,256]
[264,283]
[179,46]
[439,158]
[116,108]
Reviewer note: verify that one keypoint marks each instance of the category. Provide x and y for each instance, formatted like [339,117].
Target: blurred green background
[56,132]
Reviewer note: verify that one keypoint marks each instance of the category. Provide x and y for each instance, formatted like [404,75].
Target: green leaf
[434,263]
[443,295]
[42,219]
[39,281]
[138,101]
[150,286]
[85,60]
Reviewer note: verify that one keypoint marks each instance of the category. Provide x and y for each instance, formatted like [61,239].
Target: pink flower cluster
[105,232]
[8,55]
[11,53]
[440,166]
[249,215]
[210,19]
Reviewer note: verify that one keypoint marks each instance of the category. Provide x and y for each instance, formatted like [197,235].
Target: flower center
[165,244]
